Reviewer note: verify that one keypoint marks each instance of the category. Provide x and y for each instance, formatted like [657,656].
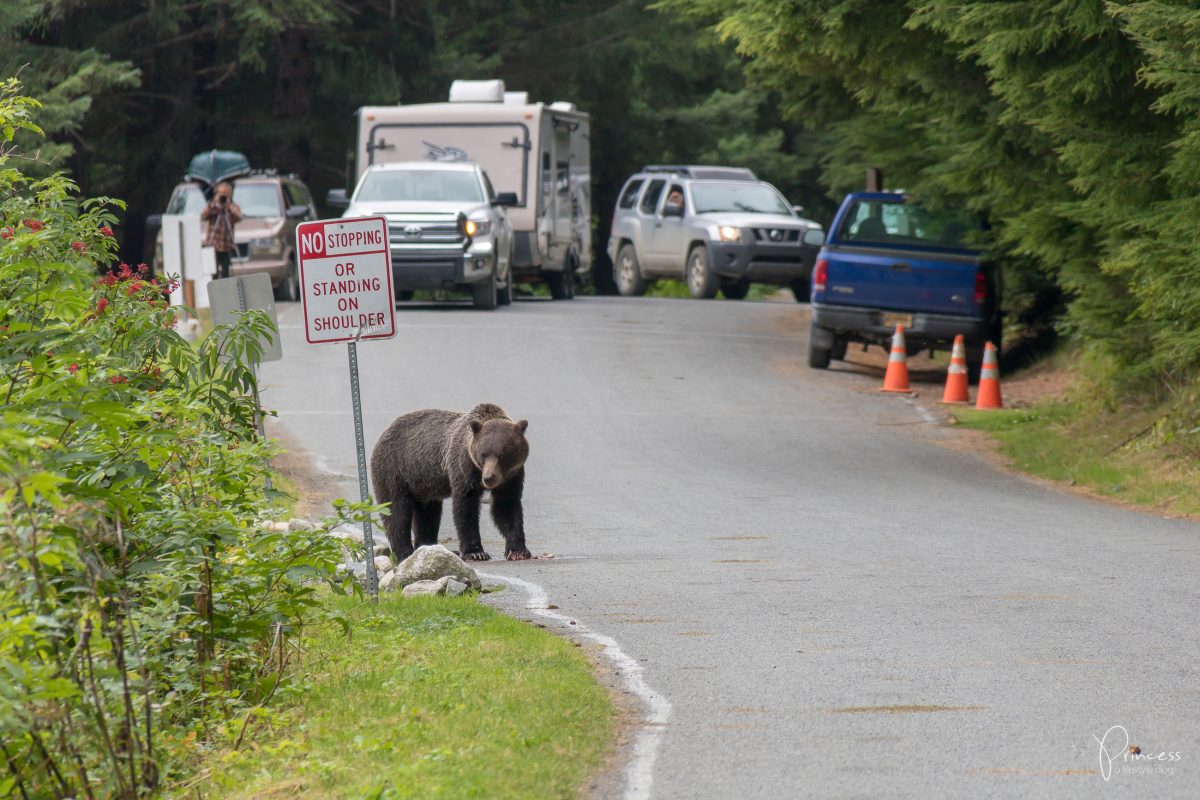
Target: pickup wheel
[627,273]
[485,293]
[838,351]
[559,283]
[818,357]
[735,290]
[504,295]
[701,281]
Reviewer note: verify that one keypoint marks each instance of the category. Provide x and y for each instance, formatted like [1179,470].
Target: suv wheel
[700,279]
[735,290]
[485,293]
[289,287]
[628,275]
[802,291]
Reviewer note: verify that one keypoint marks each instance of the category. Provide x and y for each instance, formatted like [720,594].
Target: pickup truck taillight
[980,288]
[820,275]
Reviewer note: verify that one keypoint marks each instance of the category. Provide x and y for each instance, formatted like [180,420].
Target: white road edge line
[639,773]
[924,412]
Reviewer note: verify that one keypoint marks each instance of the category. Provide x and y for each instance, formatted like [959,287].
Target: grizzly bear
[428,455]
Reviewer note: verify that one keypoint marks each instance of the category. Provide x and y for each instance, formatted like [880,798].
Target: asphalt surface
[834,604]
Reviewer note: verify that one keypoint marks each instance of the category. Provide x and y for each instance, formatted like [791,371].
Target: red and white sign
[346,280]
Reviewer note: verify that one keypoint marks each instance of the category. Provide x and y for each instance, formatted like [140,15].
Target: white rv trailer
[539,152]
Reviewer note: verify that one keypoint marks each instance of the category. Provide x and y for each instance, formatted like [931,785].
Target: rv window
[419,184]
[629,196]
[563,181]
[650,198]
[545,173]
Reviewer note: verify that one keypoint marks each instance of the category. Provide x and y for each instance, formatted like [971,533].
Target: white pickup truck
[447,226]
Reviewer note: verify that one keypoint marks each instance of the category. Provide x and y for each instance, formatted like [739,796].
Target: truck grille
[406,230]
[777,235]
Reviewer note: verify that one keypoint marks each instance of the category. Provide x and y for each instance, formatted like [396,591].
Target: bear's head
[498,448]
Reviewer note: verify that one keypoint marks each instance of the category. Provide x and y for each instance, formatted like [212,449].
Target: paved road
[834,604]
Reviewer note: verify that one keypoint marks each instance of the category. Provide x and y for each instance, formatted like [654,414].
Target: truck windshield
[751,198]
[419,184]
[883,222]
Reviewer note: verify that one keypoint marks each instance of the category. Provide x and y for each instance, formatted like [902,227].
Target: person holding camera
[222,214]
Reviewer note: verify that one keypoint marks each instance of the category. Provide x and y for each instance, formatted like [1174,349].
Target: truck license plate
[892,320]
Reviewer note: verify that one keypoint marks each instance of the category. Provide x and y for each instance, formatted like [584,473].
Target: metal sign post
[347,296]
[361,448]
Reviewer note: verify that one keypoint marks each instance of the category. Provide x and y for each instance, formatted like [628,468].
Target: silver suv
[447,227]
[715,228]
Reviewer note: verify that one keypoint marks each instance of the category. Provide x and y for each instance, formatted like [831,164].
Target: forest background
[1071,127]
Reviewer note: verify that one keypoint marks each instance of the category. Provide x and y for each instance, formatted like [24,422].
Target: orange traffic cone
[896,377]
[956,378]
[989,380]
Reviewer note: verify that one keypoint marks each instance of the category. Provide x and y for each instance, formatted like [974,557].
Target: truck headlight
[477,227]
[729,234]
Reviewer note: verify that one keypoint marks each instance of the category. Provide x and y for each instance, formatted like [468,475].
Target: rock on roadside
[448,586]
[432,562]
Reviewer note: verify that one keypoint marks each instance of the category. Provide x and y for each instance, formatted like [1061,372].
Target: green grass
[429,697]
[1121,455]
[671,288]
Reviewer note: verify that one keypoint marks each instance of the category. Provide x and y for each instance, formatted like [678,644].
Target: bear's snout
[491,474]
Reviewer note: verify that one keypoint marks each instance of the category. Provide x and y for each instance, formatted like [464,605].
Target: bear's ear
[522,425]
[476,426]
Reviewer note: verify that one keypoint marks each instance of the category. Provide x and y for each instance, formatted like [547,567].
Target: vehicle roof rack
[704,173]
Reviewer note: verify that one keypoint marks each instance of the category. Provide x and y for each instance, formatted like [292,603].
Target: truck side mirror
[505,199]
[297,212]
[814,237]
[337,199]
[799,210]
[670,210]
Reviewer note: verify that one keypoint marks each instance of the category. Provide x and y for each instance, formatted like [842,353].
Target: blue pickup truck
[888,261]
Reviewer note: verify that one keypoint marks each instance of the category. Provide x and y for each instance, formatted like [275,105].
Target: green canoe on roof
[215,166]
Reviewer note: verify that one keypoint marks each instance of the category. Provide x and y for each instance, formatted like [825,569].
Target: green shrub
[140,599]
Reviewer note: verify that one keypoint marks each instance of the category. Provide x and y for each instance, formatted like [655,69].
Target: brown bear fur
[427,456]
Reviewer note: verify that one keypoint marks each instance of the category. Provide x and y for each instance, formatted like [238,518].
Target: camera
[222,199]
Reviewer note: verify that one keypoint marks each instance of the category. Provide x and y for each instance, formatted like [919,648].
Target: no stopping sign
[346,280]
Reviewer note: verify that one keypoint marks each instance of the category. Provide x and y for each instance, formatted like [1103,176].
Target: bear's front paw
[520,554]
[476,555]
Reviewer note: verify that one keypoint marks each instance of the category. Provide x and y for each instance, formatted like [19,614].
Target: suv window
[650,198]
[188,199]
[629,196]
[259,200]
[751,198]
[296,194]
